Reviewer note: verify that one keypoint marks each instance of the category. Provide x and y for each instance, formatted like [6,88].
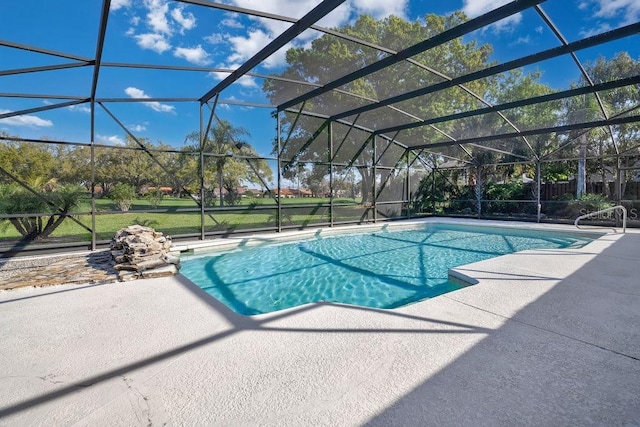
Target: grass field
[182,216]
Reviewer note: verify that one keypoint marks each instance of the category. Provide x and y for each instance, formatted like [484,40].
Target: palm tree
[225,143]
[55,200]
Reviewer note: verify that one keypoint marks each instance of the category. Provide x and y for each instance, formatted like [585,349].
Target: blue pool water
[384,269]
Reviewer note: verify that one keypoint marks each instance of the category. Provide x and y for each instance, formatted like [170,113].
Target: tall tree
[310,64]
[618,101]
[229,158]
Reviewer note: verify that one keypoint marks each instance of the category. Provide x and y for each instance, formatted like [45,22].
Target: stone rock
[140,251]
[168,270]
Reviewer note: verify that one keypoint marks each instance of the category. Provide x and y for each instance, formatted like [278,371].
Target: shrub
[123,196]
[15,199]
[154,197]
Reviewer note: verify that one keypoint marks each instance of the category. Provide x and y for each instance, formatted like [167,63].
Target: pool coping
[232,242]
[455,274]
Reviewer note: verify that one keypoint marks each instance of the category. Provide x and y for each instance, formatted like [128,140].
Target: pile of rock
[140,251]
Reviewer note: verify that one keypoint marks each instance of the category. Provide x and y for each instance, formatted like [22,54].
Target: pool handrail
[613,208]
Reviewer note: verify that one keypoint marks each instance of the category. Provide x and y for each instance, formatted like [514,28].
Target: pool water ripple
[384,269]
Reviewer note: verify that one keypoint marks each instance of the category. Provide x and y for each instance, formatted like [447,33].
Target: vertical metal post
[618,187]
[433,188]
[93,176]
[408,193]
[374,184]
[279,194]
[331,189]
[202,201]
[538,190]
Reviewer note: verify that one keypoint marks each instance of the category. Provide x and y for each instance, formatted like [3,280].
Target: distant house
[167,191]
[303,192]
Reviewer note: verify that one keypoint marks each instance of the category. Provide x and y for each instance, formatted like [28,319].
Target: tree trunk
[366,182]
[478,190]
[582,168]
[220,186]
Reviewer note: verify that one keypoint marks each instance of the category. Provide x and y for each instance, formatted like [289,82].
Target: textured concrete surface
[74,268]
[544,338]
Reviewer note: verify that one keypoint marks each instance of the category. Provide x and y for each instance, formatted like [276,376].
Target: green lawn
[252,213]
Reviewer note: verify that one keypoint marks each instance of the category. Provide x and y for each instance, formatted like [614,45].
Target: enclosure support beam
[203,137]
[589,42]
[331,181]
[289,34]
[92,162]
[538,191]
[293,126]
[201,177]
[279,177]
[541,131]
[628,81]
[104,18]
[583,71]
[507,10]
[346,136]
[375,174]
[433,186]
[43,108]
[408,192]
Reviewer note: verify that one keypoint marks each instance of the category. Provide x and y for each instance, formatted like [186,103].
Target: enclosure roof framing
[298,27]
[541,131]
[448,35]
[404,121]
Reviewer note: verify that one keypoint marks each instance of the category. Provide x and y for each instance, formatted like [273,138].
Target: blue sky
[175,33]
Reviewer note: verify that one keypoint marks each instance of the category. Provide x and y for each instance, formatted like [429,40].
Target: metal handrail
[613,208]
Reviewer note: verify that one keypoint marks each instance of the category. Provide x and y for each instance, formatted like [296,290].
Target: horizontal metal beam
[146,99]
[541,131]
[44,51]
[40,96]
[289,34]
[446,36]
[520,103]
[44,68]
[501,68]
[43,108]
[226,102]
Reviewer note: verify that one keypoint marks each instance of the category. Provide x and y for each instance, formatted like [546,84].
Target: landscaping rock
[140,251]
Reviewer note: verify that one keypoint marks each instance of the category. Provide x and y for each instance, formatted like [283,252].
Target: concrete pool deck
[544,338]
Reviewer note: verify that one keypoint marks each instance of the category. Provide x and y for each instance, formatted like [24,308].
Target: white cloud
[134,92]
[231,23]
[24,120]
[244,81]
[245,47]
[137,128]
[154,42]
[162,24]
[381,9]
[521,40]
[157,16]
[186,21]
[109,139]
[215,38]
[600,28]
[195,55]
[474,8]
[118,4]
[80,108]
[266,30]
[628,10]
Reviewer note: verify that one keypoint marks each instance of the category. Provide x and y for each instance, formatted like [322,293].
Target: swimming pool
[381,269]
